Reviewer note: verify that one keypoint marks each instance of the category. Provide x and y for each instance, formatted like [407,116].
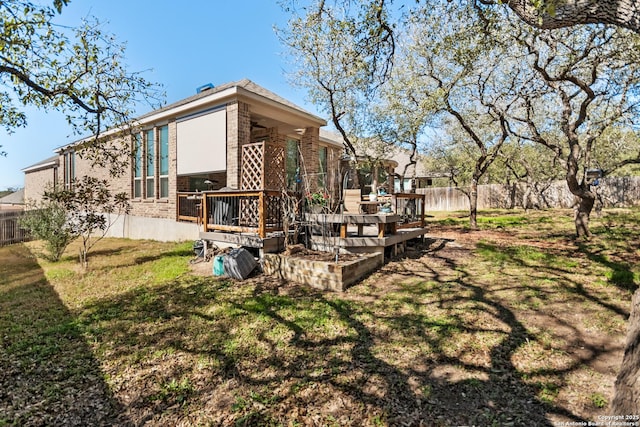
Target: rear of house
[238,139]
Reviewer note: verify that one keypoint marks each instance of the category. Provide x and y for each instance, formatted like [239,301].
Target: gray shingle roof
[15,198]
[244,83]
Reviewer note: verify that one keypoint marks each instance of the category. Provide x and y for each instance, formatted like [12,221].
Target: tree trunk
[582,215]
[526,194]
[473,205]
[624,13]
[627,392]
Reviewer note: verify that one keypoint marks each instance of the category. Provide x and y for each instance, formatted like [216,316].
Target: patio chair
[352,201]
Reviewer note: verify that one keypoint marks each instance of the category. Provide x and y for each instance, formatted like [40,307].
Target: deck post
[177,207]
[262,215]
[203,210]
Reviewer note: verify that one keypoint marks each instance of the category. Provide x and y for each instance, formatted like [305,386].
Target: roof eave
[311,119]
[217,98]
[34,168]
[184,109]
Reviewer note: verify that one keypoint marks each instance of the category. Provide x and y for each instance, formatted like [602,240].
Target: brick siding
[238,134]
[309,145]
[36,182]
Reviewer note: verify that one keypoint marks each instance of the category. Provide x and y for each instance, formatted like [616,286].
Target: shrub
[89,206]
[47,221]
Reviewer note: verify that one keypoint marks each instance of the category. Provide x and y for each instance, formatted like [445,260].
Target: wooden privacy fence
[612,192]
[10,232]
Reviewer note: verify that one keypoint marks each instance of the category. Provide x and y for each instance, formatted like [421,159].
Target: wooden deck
[258,212]
[362,233]
[385,223]
[254,219]
[269,244]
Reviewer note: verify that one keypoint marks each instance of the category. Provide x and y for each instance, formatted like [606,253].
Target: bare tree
[340,59]
[579,83]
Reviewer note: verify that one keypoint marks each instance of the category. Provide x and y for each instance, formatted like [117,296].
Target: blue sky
[183,44]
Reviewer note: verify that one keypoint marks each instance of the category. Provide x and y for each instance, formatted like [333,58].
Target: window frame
[323,162]
[163,161]
[138,166]
[292,161]
[69,171]
[150,163]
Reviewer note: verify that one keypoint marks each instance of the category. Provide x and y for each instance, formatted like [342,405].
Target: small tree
[47,221]
[91,210]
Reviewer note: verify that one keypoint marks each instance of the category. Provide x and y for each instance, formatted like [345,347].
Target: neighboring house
[39,177]
[393,164]
[415,175]
[238,137]
[13,201]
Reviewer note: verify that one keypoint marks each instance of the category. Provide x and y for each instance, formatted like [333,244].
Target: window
[322,167]
[150,169]
[137,166]
[69,168]
[163,154]
[151,163]
[293,165]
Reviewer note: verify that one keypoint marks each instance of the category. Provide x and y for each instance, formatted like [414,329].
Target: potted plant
[385,208]
[317,201]
[373,195]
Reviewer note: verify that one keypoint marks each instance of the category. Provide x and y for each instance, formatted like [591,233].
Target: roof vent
[204,87]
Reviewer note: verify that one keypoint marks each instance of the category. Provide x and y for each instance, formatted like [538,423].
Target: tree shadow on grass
[620,273]
[513,256]
[436,390]
[259,353]
[48,374]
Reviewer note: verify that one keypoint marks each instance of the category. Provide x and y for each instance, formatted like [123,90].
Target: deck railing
[410,206]
[258,211]
[189,207]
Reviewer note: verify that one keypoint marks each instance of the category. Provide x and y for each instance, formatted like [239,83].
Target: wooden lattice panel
[274,167]
[252,166]
[274,211]
[249,212]
[263,167]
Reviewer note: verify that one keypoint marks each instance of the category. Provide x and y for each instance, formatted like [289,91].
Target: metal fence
[10,232]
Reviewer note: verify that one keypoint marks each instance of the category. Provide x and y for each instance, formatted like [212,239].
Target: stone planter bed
[325,275]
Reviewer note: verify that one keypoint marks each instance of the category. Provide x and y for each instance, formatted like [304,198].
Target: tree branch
[567,13]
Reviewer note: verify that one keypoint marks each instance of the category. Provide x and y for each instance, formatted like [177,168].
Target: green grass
[598,400]
[485,332]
